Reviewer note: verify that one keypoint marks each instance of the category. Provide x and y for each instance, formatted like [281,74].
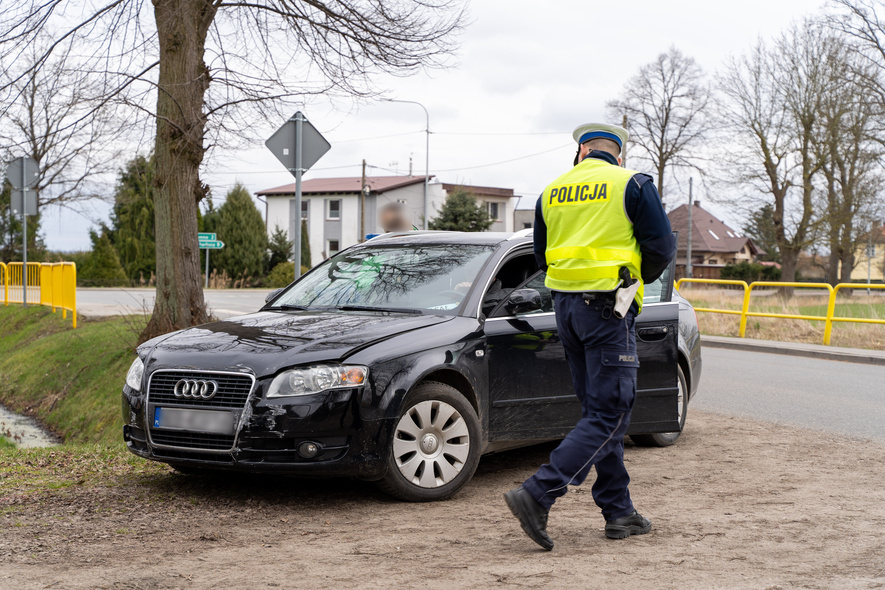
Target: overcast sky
[502,115]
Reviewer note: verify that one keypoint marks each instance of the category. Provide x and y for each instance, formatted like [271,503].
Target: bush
[461,212]
[750,271]
[282,274]
[240,226]
[101,268]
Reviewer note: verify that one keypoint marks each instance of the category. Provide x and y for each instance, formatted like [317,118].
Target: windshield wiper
[373,308]
[290,307]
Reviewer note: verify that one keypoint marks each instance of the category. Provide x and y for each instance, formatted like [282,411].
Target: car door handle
[653,334]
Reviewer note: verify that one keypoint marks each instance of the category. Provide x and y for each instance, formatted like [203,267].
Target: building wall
[504,222]
[523,218]
[412,198]
[875,264]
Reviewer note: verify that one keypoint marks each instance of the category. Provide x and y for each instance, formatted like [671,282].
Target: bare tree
[47,123]
[850,157]
[861,23]
[770,106]
[664,106]
[205,63]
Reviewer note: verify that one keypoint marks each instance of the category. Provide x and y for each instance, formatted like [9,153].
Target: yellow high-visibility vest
[589,235]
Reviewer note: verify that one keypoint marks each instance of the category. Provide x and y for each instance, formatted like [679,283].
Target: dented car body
[402,359]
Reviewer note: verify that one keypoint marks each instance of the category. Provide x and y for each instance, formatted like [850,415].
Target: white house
[331,207]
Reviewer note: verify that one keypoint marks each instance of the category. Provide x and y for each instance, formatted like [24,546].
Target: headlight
[307,380]
[136,372]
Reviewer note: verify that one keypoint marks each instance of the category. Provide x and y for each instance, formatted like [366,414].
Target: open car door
[530,386]
[657,335]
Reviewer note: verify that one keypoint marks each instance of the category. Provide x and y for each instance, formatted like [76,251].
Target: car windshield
[399,278]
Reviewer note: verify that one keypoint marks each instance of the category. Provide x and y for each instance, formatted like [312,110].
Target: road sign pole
[207,268]
[299,155]
[308,149]
[24,233]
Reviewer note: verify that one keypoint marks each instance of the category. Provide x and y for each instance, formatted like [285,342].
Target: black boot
[531,515]
[632,524]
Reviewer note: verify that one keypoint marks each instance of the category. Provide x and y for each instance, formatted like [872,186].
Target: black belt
[607,298]
[598,296]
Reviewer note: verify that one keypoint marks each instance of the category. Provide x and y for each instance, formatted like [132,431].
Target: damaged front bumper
[315,435]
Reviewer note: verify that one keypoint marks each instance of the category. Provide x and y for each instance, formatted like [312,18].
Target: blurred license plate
[216,422]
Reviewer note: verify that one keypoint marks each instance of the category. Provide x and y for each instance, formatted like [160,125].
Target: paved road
[845,398]
[223,303]
[835,396]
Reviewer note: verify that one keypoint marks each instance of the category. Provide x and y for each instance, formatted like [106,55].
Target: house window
[305,209]
[332,247]
[333,209]
[713,261]
[526,225]
[493,210]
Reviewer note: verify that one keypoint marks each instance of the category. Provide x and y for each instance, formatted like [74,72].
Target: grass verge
[28,471]
[852,335]
[69,380]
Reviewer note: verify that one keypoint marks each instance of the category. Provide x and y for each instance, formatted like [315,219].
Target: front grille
[193,440]
[233,389]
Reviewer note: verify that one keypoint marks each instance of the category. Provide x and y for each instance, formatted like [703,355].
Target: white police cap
[590,131]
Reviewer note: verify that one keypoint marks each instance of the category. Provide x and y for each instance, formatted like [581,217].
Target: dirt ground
[735,504]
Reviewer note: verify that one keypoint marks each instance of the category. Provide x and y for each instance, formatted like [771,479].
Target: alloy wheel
[431,444]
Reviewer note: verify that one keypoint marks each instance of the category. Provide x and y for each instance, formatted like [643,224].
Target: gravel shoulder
[737,503]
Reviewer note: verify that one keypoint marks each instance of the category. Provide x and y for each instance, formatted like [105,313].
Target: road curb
[830,353]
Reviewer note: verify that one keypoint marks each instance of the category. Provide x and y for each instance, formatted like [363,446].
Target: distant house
[869,259]
[524,213]
[331,207]
[498,202]
[713,243]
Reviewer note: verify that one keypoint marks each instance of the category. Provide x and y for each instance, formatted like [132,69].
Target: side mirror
[523,301]
[272,295]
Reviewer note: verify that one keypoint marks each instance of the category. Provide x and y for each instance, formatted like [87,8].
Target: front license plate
[213,421]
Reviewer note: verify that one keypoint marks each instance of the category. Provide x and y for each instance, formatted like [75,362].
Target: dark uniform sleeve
[651,226]
[540,237]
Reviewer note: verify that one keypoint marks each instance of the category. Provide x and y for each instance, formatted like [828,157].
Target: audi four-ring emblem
[195,389]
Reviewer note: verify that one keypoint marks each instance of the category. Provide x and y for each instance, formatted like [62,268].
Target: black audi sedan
[401,360]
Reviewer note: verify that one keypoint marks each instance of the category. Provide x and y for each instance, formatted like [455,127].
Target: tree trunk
[661,169]
[183,80]
[789,262]
[834,228]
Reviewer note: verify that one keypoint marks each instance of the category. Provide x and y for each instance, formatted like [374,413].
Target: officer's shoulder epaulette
[641,178]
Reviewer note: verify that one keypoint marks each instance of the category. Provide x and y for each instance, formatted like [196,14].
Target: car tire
[435,445]
[665,439]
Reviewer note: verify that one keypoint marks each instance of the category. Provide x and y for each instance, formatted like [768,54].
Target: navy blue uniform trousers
[602,357]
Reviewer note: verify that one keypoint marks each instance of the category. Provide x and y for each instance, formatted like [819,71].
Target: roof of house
[480,191]
[709,233]
[378,184]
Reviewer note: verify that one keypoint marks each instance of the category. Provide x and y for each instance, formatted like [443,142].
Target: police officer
[598,227]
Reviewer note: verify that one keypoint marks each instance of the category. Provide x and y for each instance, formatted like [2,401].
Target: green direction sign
[211,244]
[204,237]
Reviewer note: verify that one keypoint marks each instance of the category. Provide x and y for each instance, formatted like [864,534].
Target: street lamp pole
[426,153]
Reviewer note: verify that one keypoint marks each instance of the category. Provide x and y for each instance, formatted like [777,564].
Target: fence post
[5,283]
[72,284]
[745,307]
[831,312]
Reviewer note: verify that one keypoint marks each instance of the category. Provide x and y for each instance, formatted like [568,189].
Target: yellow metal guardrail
[748,289]
[53,284]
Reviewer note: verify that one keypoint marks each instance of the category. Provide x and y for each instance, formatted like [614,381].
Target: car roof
[449,237]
